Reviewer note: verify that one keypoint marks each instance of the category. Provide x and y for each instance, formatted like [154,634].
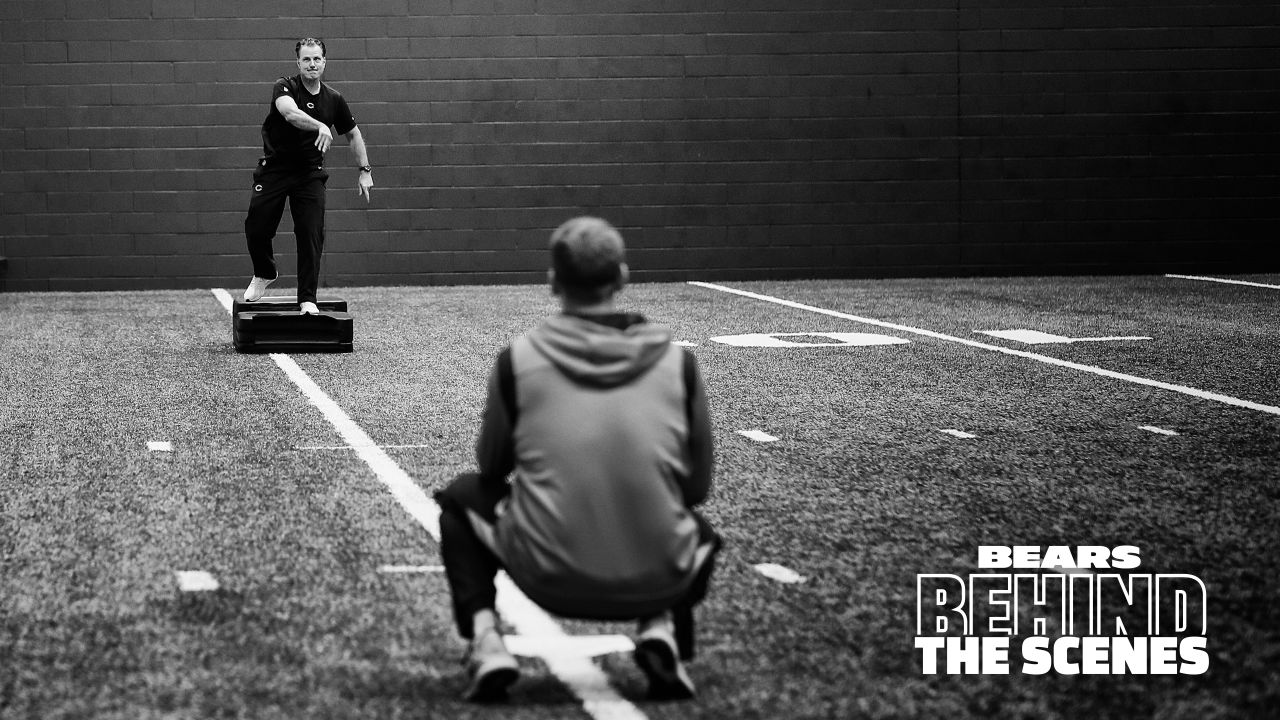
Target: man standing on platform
[295,137]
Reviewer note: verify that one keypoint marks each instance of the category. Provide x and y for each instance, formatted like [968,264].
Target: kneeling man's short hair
[587,254]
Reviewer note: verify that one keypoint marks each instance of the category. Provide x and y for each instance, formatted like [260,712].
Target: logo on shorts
[311,106]
[257,188]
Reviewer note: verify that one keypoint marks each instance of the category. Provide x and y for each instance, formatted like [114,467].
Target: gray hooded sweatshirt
[607,431]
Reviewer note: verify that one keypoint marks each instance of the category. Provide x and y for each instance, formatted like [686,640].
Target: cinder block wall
[1117,134]
[728,138]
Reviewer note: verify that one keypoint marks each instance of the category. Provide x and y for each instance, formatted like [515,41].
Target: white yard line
[574,646]
[582,676]
[1224,280]
[1193,392]
[410,569]
[349,447]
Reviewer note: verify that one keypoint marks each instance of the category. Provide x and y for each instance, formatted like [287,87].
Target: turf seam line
[1183,389]
[582,676]
[1224,280]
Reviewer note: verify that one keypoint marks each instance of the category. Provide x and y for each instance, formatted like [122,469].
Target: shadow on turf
[205,608]
[433,681]
[536,687]
[221,348]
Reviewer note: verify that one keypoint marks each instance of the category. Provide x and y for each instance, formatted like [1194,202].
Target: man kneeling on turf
[602,424]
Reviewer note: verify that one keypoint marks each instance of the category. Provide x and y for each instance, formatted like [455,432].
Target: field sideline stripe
[582,676]
[1224,280]
[1194,392]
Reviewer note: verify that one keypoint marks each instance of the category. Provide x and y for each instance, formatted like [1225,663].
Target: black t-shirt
[286,144]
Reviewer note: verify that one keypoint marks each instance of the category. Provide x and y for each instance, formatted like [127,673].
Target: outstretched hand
[363,184]
[324,138]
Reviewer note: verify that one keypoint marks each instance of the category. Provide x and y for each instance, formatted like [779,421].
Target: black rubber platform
[274,324]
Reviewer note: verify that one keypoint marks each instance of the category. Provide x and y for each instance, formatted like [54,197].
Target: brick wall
[728,138]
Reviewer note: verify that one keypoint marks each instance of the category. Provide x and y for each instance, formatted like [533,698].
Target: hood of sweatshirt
[605,351]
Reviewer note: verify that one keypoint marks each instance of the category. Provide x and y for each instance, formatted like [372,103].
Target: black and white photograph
[639,359]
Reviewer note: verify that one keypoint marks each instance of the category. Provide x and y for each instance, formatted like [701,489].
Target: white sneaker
[492,668]
[657,657]
[257,286]
[309,308]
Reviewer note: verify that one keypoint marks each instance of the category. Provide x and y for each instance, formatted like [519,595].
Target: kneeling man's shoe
[656,655]
[491,667]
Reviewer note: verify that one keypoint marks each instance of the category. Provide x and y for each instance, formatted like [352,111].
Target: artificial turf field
[860,493]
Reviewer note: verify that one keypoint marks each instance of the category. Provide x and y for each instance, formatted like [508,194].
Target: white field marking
[352,447]
[568,645]
[1156,430]
[159,446]
[1193,392]
[684,343]
[781,573]
[957,433]
[1035,337]
[196,581]
[407,569]
[224,298]
[757,435]
[775,340]
[1029,337]
[1224,280]
[581,676]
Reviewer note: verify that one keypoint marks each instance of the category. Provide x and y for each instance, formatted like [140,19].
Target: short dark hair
[297,49]
[587,254]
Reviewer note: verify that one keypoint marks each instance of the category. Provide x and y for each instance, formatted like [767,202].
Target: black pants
[471,566]
[304,189]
